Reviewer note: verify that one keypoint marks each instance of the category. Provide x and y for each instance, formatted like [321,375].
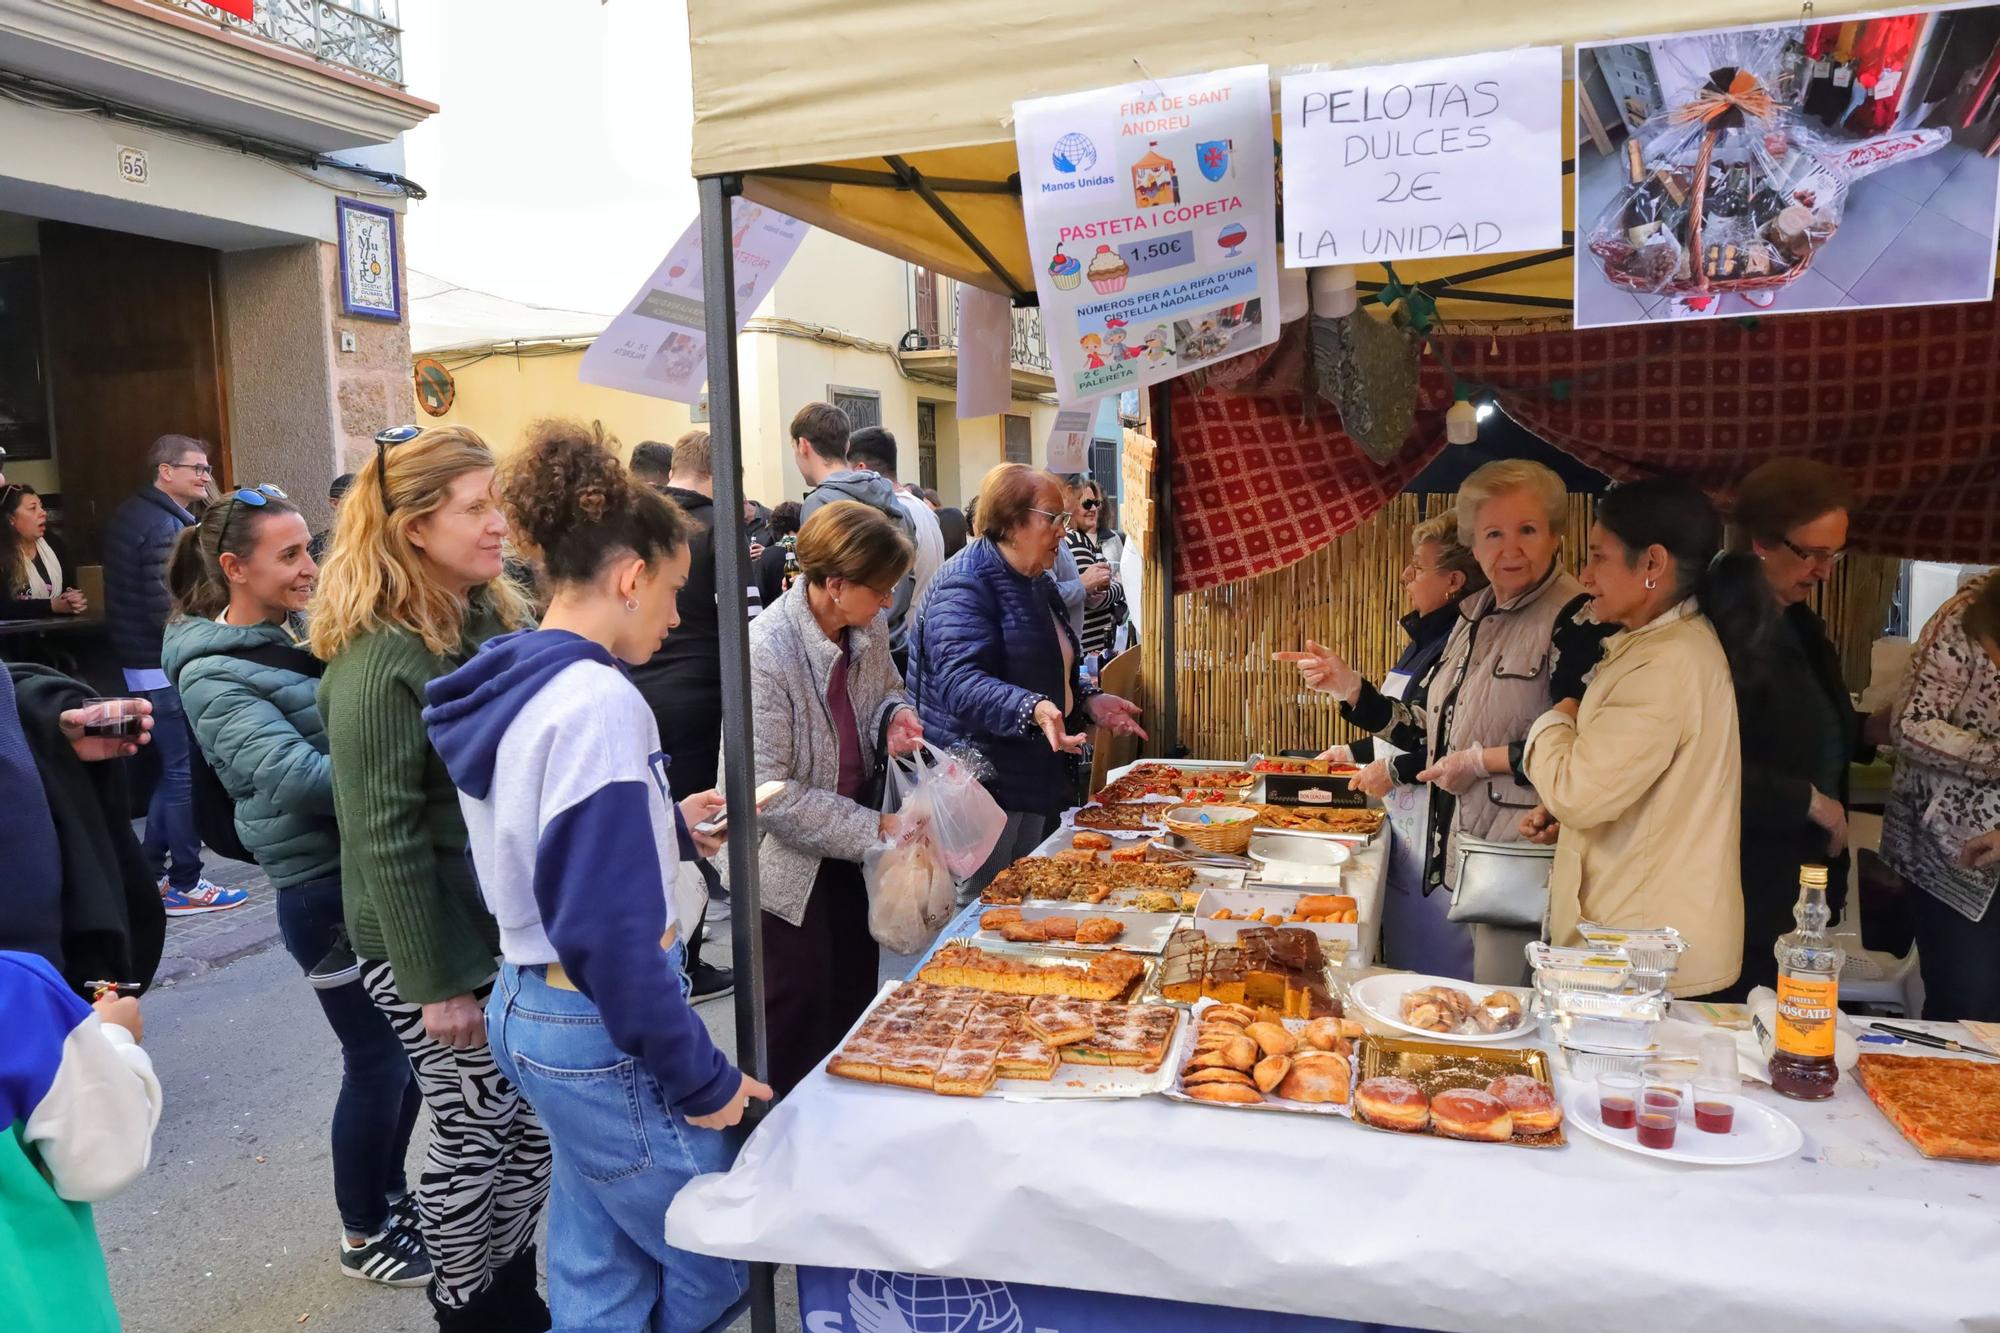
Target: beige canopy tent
[888,122]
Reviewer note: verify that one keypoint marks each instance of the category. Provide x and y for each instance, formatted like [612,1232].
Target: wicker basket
[1615,252]
[1231,836]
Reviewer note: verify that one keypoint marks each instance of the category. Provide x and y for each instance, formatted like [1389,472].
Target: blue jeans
[170,816]
[378,1101]
[620,1157]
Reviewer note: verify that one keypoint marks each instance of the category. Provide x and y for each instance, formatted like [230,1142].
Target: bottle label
[1806,1009]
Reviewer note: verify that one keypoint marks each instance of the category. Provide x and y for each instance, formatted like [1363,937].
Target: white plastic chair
[1872,976]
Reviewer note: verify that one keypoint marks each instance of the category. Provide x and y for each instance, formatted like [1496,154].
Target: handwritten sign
[659,345]
[1150,211]
[1436,158]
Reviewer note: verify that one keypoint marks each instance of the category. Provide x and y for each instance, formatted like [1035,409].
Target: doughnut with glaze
[1529,1101]
[1468,1113]
[1393,1103]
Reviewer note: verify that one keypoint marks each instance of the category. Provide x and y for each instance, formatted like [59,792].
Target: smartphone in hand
[714,828]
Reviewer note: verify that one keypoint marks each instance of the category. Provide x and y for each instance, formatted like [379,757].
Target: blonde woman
[413,585]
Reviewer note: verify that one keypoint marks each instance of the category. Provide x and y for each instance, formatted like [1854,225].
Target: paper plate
[1381,996]
[1760,1134]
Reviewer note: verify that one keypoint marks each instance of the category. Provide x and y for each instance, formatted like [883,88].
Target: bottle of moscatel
[1809,964]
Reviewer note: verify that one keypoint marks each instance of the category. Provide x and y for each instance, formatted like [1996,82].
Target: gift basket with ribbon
[1729,189]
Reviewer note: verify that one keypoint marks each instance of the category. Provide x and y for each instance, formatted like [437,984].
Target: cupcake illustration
[1107,271]
[1067,272]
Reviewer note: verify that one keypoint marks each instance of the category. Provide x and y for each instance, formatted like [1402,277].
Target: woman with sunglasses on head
[240,580]
[412,587]
[578,841]
[32,561]
[1799,727]
[1104,602]
[996,662]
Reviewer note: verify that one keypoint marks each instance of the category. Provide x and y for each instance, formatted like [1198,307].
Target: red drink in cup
[1617,1112]
[1715,1117]
[1657,1128]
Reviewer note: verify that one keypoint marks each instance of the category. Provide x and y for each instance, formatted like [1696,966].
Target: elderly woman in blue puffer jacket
[239,579]
[995,663]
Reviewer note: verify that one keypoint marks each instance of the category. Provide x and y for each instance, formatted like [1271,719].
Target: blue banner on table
[864,1300]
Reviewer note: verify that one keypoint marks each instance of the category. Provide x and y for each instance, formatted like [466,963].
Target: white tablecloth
[1322,1216]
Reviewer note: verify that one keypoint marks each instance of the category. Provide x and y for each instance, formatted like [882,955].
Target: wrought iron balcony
[934,325]
[362,38]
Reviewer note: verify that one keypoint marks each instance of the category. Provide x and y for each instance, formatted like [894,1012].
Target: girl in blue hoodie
[577,840]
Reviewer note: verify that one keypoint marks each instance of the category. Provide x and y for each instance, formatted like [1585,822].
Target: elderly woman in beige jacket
[1640,780]
[826,701]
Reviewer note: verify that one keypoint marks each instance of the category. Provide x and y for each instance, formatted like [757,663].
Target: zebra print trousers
[486,1177]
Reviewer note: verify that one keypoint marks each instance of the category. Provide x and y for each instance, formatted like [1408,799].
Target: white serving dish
[1250,898]
[1760,1134]
[1285,859]
[1381,998]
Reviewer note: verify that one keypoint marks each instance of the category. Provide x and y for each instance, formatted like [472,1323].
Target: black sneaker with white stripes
[393,1256]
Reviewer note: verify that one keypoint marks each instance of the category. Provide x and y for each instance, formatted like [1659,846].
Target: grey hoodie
[871,489]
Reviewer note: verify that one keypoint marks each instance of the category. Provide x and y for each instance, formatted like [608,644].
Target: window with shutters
[1020,442]
[863,406]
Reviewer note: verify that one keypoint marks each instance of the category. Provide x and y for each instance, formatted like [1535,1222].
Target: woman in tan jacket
[1641,779]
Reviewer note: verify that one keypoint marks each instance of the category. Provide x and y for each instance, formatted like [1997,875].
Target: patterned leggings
[486,1176]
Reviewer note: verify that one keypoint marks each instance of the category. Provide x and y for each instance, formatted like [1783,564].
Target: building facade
[844,324]
[170,256]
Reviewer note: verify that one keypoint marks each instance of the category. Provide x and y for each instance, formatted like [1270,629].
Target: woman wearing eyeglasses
[411,589]
[1104,602]
[996,664]
[1799,728]
[31,561]
[240,580]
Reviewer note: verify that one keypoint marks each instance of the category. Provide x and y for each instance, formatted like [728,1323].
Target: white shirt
[930,545]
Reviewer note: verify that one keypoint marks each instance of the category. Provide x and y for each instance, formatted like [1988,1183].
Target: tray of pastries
[1304,768]
[1481,1095]
[1120,819]
[1257,1059]
[1120,878]
[1172,782]
[1070,926]
[959,1042]
[1031,970]
[1283,969]
[1945,1108]
[1350,825]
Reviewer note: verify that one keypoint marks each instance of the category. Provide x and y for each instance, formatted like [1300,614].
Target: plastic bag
[966,822]
[1728,187]
[911,892]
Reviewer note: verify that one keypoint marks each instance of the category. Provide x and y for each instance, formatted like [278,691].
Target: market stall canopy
[893,126]
[446,317]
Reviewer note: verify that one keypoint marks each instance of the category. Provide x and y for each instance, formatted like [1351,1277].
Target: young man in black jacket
[138,541]
[683,681]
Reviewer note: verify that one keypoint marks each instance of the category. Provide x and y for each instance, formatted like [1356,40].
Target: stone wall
[371,384]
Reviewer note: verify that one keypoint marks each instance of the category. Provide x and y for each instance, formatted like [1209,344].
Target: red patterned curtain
[1906,402]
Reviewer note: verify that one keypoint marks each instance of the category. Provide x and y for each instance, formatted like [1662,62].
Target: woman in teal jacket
[239,579]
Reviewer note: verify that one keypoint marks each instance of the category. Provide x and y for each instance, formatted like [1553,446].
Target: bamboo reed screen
[1233,699]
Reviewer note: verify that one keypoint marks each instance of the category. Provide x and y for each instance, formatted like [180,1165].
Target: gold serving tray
[1042,955]
[1435,1066]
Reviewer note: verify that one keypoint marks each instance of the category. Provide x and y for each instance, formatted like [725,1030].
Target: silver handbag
[1501,884]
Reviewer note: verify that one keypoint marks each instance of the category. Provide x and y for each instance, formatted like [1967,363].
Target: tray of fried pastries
[1118,880]
[1122,820]
[958,1041]
[1257,1059]
[1039,969]
[1077,926]
[1479,1094]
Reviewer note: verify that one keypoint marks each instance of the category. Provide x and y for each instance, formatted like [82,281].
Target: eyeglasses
[1060,520]
[385,440]
[254,496]
[200,469]
[1814,554]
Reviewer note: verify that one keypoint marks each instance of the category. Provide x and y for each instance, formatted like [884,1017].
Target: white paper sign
[1069,440]
[659,345]
[985,353]
[1150,211]
[1434,158]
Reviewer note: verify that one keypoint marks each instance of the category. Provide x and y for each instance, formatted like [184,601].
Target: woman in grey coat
[827,702]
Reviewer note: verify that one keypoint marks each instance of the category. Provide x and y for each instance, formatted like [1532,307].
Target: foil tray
[1435,1066]
[1041,955]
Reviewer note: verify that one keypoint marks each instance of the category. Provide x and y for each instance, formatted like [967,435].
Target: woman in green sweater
[413,585]
[239,579]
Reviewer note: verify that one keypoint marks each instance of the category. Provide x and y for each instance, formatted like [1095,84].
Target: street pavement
[232,1228]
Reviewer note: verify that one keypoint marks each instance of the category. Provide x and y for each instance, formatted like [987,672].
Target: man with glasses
[138,542]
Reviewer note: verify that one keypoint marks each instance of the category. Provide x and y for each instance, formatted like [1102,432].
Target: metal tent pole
[732,577]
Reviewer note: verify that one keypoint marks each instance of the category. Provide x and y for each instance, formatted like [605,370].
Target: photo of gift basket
[1736,192]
